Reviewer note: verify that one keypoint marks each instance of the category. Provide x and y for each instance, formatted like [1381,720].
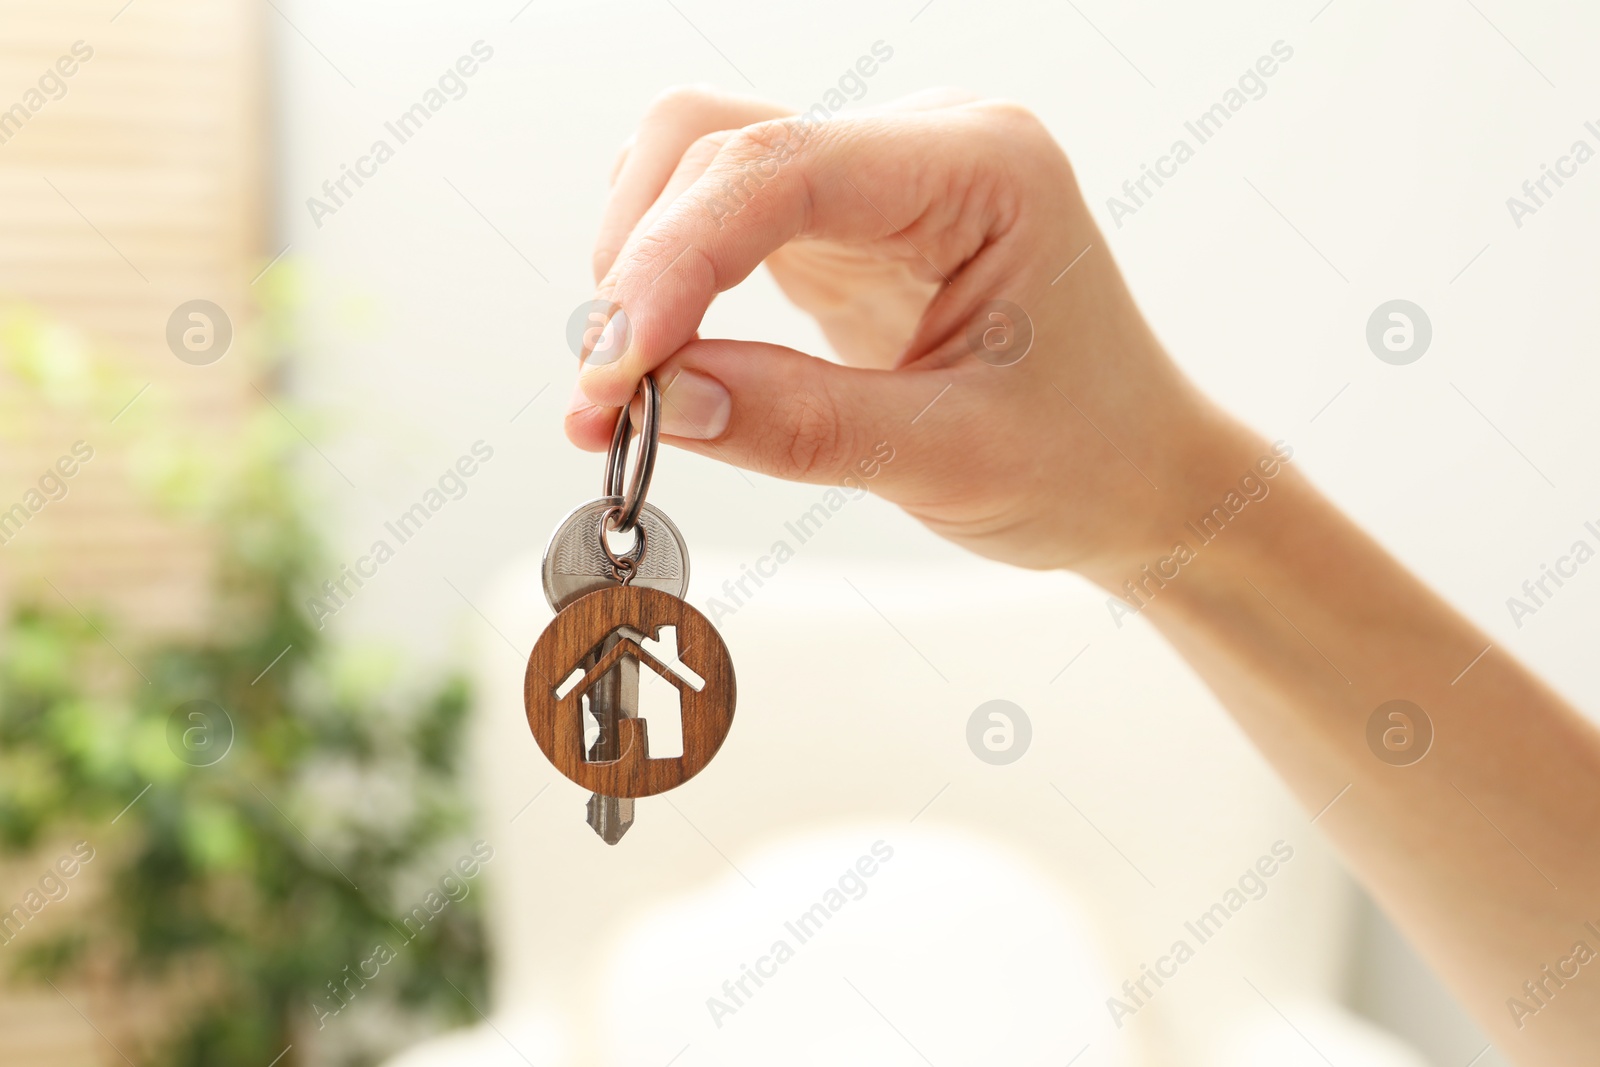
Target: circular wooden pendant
[583,661]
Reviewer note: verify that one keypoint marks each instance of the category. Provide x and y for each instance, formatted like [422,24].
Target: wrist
[1223,495]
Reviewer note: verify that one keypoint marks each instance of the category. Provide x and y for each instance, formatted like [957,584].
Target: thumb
[780,412]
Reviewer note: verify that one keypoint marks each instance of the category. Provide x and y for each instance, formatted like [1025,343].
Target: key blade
[616,697]
[610,817]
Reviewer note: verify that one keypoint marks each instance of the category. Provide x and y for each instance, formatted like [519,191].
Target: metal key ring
[624,568]
[617,456]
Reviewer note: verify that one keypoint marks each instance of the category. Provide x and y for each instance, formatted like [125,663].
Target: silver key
[574,566]
[613,698]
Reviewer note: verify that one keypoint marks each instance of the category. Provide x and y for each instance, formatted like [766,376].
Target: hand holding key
[898,229]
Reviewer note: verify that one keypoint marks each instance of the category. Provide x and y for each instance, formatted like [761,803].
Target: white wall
[1390,141]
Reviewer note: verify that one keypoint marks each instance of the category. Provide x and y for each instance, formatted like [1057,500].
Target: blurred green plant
[249,888]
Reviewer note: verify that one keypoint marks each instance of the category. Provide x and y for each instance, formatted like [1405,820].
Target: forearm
[941,243]
[1487,850]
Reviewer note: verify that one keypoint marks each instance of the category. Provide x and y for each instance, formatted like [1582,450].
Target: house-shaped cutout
[679,677]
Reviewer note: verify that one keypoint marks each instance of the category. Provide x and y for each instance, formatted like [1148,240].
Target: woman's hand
[899,230]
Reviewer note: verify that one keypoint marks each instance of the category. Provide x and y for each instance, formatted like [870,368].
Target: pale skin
[894,228]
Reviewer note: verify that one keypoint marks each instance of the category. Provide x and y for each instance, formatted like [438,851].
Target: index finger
[674,121]
[862,179]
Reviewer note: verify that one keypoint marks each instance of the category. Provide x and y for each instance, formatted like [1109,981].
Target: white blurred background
[1376,166]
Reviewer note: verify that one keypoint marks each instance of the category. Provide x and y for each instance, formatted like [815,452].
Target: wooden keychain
[620,613]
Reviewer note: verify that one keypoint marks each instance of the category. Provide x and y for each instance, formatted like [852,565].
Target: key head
[680,645]
[574,566]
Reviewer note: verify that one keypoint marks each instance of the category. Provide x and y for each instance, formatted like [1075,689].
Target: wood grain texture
[575,633]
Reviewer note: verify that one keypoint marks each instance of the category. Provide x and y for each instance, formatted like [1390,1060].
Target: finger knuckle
[648,248]
[1022,137]
[753,156]
[810,434]
[705,149]
[763,138]
[766,146]
[950,95]
[681,101]
[665,254]
[1012,115]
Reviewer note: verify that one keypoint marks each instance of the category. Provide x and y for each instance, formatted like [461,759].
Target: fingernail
[578,401]
[695,406]
[612,342]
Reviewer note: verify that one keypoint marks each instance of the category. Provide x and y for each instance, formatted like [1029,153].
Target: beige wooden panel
[154,157]
[138,189]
